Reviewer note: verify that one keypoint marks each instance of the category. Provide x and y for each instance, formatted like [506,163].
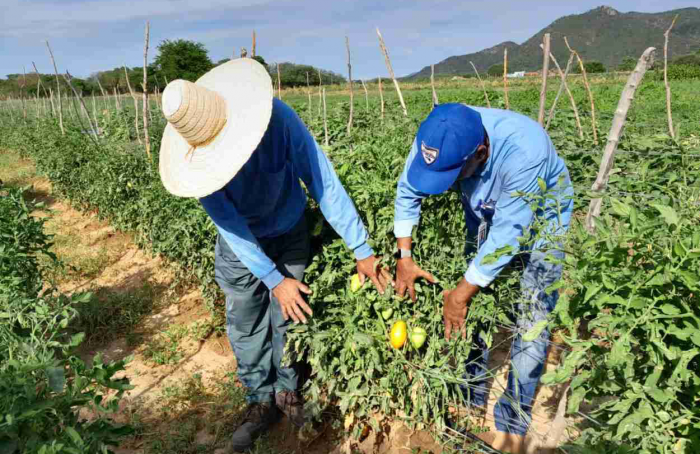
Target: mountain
[603,34]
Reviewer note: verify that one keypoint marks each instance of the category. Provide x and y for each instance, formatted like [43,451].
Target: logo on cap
[430,154]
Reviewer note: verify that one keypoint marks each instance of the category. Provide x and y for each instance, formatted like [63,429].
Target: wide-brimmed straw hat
[214,126]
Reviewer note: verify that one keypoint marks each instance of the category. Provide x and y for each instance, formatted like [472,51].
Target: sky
[87,36]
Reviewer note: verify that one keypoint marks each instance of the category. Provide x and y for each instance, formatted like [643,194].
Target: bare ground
[186,397]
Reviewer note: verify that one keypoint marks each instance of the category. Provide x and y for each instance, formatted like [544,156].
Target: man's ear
[482,152]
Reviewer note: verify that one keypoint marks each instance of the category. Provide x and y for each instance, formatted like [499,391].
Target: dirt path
[186,397]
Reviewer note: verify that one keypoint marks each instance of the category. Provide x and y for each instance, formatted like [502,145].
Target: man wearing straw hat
[243,155]
[492,157]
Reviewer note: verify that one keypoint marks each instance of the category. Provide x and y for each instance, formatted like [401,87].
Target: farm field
[624,357]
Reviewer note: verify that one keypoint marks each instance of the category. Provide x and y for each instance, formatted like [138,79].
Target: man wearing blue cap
[488,155]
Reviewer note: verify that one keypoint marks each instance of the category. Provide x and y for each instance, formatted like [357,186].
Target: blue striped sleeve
[317,173]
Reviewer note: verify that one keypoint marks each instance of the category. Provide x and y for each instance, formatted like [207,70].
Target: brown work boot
[292,405]
[258,418]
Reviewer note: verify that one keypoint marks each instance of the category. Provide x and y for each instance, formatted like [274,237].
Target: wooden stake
[352,95]
[279,82]
[606,163]
[545,73]
[94,110]
[483,87]
[58,91]
[21,94]
[505,77]
[381,96]
[308,91]
[432,85]
[566,86]
[391,71]
[561,89]
[668,87]
[325,122]
[136,106]
[364,87]
[253,49]
[68,78]
[53,108]
[116,99]
[146,110]
[588,90]
[319,92]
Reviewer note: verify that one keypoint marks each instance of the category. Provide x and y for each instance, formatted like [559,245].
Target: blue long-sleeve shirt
[265,199]
[520,153]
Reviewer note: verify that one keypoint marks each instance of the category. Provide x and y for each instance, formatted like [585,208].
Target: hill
[603,34]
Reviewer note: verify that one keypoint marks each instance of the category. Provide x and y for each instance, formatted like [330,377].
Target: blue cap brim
[431,182]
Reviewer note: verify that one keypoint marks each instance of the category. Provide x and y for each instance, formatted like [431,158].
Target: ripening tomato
[418,336]
[355,284]
[398,334]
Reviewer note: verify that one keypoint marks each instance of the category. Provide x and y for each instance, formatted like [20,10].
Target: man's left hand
[455,305]
[370,267]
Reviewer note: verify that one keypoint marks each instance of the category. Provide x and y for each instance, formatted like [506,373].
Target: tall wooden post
[146,110]
[483,87]
[352,97]
[58,91]
[668,87]
[387,60]
[505,78]
[606,163]
[545,73]
[432,85]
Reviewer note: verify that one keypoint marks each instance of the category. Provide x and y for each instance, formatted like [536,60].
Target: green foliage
[42,383]
[182,59]
[592,67]
[496,70]
[635,286]
[691,59]
[628,64]
[679,72]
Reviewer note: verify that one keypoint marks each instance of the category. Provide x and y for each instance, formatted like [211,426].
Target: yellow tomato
[398,334]
[355,284]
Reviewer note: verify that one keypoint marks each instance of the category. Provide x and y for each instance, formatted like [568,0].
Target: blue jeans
[254,322]
[513,412]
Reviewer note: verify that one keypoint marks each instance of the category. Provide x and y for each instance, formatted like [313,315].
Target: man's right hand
[288,293]
[406,274]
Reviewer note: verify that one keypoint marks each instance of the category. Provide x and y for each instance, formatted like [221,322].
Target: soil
[107,262]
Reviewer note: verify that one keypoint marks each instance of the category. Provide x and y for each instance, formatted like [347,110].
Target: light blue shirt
[520,153]
[265,199]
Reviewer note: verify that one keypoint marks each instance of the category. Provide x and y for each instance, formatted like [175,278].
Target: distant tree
[260,60]
[222,61]
[628,64]
[182,59]
[691,59]
[496,70]
[295,75]
[592,67]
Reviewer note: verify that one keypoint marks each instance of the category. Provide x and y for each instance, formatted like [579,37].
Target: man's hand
[369,267]
[406,274]
[288,293]
[455,305]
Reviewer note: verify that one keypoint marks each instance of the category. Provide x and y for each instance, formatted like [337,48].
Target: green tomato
[386,313]
[355,284]
[418,336]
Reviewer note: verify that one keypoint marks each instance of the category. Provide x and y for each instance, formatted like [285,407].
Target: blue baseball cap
[445,140]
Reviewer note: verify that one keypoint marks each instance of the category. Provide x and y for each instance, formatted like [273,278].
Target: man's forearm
[404,243]
[465,291]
